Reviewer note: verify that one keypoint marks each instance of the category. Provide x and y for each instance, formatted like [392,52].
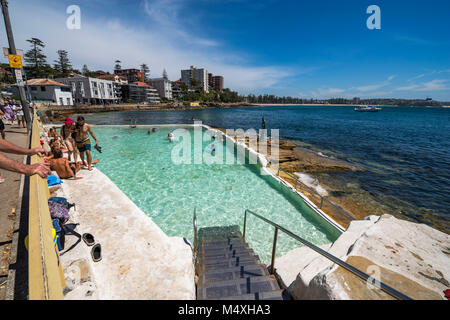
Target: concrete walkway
[139,261]
[9,195]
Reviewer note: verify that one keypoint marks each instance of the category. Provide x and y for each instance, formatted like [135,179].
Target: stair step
[221,243]
[228,264]
[232,274]
[233,260]
[212,249]
[226,254]
[221,289]
[271,295]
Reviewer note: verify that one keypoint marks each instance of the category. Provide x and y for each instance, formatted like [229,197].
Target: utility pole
[12,50]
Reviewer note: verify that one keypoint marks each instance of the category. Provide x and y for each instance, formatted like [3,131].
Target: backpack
[58,211]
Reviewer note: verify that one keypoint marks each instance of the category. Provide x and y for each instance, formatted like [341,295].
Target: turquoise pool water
[141,166]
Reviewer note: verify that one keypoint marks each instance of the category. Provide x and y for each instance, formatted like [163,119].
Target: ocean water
[404,151]
[142,166]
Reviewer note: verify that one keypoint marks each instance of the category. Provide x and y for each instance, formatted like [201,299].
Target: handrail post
[245,225]
[195,240]
[321,202]
[274,248]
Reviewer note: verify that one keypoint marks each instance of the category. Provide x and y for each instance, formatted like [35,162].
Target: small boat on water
[367,109]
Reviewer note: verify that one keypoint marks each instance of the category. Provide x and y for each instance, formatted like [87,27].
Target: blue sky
[318,49]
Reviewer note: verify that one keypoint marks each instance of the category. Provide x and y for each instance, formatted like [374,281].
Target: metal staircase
[229,270]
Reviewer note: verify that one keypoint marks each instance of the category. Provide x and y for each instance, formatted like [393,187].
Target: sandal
[96,252]
[88,239]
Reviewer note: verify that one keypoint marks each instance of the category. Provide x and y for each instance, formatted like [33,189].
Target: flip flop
[88,239]
[96,252]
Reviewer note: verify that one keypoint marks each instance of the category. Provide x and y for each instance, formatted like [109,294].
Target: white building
[47,90]
[163,86]
[200,75]
[86,90]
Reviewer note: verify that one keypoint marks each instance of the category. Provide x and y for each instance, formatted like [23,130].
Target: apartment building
[140,92]
[87,90]
[163,86]
[118,82]
[199,75]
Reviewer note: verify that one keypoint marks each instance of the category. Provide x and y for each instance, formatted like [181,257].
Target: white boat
[367,109]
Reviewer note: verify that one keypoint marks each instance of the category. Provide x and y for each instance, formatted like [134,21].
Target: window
[61,101]
[68,102]
[94,84]
[33,88]
[96,92]
[42,88]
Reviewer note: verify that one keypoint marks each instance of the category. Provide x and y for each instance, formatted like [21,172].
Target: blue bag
[53,180]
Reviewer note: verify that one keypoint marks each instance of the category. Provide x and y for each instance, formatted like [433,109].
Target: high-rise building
[199,75]
[217,83]
[210,81]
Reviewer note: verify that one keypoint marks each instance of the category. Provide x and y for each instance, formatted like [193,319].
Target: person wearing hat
[66,133]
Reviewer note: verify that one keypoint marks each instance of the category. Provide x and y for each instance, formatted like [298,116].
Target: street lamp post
[12,50]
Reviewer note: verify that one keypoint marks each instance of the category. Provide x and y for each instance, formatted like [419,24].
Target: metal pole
[245,223]
[12,50]
[272,266]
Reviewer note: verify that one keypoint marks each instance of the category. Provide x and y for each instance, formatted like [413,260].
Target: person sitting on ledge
[63,167]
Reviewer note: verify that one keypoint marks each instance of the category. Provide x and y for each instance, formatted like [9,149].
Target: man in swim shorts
[83,141]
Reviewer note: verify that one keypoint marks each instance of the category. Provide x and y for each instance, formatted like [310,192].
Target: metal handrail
[389,290]
[195,240]
[322,198]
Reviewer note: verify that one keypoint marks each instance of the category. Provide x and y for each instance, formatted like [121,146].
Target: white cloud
[434,85]
[377,86]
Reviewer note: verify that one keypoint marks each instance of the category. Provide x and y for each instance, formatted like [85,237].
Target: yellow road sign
[15,61]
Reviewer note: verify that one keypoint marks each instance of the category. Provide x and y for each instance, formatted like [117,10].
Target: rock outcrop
[412,258]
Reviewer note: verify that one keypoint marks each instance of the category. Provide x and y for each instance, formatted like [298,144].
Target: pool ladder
[364,276]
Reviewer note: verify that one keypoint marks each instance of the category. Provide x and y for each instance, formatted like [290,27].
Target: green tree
[36,60]
[63,65]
